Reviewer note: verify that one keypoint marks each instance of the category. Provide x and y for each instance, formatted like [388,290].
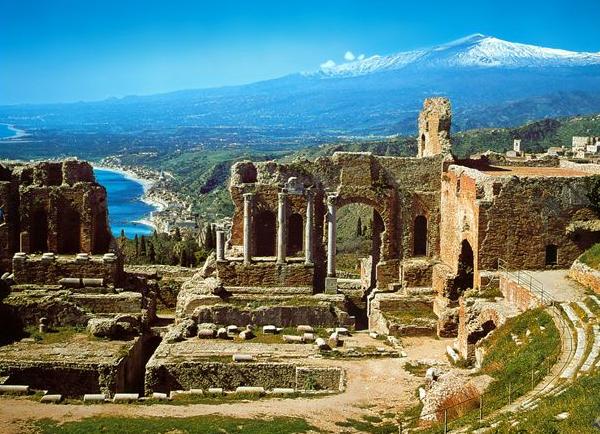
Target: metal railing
[472,411]
[526,280]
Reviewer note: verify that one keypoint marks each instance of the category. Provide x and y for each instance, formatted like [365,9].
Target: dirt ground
[374,386]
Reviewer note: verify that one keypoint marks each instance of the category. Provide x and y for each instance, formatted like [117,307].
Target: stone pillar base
[331,285]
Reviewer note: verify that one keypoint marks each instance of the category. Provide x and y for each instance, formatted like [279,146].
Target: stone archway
[465,274]
[295,234]
[39,231]
[265,233]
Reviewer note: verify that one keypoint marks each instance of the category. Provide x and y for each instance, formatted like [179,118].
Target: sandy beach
[17,133]
[145,183]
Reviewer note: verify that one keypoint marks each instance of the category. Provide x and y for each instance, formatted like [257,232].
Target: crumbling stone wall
[51,207]
[166,376]
[37,270]
[434,127]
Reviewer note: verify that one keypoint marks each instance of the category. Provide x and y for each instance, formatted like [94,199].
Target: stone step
[595,351]
[595,299]
[271,290]
[577,360]
[419,290]
[586,309]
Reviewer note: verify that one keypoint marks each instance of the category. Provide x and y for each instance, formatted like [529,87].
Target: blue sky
[69,50]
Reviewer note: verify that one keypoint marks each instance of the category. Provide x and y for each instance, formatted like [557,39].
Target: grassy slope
[509,363]
[200,424]
[203,174]
[592,257]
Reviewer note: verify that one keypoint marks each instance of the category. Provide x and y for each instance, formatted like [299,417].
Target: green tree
[151,253]
[137,245]
[359,226]
[143,246]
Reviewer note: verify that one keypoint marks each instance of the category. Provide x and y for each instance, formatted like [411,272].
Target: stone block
[305,328]
[331,285]
[51,399]
[14,389]
[251,390]
[206,334]
[269,329]
[293,339]
[96,398]
[126,397]
[160,396]
[283,391]
[215,391]
[243,358]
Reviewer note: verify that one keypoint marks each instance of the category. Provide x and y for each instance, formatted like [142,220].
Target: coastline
[146,184]
[18,133]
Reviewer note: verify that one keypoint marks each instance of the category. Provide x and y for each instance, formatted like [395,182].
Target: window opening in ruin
[482,331]
[69,233]
[420,236]
[458,186]
[39,232]
[465,275]
[422,141]
[551,254]
[359,229]
[295,234]
[101,230]
[1,215]
[265,233]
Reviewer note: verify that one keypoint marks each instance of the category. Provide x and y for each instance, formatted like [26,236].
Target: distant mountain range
[474,51]
[491,82]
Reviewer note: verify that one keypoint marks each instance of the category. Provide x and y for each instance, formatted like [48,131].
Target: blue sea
[124,203]
[5,132]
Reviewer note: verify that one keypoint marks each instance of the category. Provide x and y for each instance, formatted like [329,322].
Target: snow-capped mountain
[475,51]
[490,82]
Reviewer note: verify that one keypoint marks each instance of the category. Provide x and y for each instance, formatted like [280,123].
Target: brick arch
[384,207]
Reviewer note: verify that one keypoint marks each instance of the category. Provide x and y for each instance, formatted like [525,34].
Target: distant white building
[584,147]
[516,151]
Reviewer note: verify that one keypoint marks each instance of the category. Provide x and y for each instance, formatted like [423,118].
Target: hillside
[203,174]
[491,82]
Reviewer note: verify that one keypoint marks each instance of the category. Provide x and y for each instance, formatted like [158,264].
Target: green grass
[369,424]
[55,334]
[581,401]
[509,363]
[592,257]
[414,313]
[417,369]
[200,424]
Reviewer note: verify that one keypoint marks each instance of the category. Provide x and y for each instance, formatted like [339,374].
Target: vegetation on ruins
[592,257]
[202,174]
[166,249]
[509,363]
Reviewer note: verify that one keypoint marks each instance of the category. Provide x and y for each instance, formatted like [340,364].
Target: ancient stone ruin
[270,307]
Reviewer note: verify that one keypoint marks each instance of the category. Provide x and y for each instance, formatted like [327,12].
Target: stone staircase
[581,351]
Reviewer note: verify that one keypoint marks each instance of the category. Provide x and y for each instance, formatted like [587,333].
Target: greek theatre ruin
[271,309]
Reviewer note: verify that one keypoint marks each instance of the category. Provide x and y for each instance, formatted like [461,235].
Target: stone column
[331,236]
[220,246]
[248,202]
[308,230]
[281,228]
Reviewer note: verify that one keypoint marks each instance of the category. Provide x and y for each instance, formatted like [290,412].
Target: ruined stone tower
[434,127]
[51,207]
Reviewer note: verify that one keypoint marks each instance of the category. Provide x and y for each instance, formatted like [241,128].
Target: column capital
[248,196]
[332,199]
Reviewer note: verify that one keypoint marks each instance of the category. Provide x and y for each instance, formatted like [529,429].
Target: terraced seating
[594,352]
[577,360]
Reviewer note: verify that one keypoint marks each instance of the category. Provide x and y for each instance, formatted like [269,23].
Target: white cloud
[361,57]
[329,64]
[349,56]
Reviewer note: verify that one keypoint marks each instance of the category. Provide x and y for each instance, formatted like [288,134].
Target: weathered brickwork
[585,275]
[51,207]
